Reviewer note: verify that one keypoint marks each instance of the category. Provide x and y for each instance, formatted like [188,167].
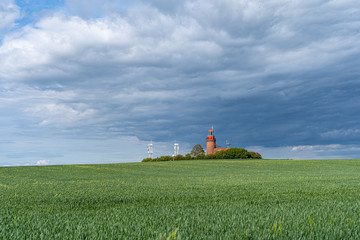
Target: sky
[90,81]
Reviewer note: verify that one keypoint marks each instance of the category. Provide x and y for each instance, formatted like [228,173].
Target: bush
[232,153]
[200,156]
[164,158]
[255,155]
[147,160]
[179,157]
[210,156]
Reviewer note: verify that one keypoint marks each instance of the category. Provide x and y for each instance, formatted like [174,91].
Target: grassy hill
[209,199]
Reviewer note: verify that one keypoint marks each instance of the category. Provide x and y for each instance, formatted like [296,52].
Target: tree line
[198,152]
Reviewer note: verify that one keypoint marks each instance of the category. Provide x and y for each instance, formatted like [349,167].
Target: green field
[209,199]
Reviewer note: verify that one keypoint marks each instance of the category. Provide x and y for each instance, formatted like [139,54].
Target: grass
[212,199]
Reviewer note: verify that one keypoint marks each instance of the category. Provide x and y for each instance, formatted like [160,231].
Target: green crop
[204,199]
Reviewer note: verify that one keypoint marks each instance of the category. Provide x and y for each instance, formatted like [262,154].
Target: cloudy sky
[90,81]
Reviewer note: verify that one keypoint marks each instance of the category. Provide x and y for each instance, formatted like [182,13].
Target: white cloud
[330,151]
[42,162]
[341,133]
[19,94]
[96,8]
[61,114]
[297,148]
[56,47]
[318,148]
[204,37]
[9,12]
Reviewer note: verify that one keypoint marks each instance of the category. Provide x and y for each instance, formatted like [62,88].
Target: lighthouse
[210,142]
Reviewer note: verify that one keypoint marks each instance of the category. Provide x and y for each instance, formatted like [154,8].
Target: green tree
[188,156]
[197,151]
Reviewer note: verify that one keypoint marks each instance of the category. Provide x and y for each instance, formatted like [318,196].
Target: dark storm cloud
[265,74]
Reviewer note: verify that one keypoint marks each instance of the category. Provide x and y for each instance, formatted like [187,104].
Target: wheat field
[204,199]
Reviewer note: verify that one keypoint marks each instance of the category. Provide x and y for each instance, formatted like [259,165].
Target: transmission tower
[176,149]
[150,150]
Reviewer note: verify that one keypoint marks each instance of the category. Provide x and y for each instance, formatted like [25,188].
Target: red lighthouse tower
[210,142]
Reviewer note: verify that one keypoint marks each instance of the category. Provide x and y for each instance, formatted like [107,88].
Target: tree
[197,151]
